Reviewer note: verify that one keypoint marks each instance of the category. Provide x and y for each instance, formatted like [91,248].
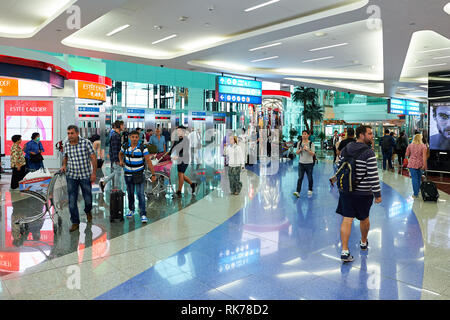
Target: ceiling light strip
[117,30]
[268,46]
[263,59]
[261,5]
[434,50]
[328,47]
[164,39]
[318,59]
[429,66]
[446,57]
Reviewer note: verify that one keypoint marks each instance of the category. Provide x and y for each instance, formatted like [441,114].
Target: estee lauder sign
[9,87]
[91,90]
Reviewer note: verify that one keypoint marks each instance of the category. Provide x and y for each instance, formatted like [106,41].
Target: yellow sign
[91,90]
[9,87]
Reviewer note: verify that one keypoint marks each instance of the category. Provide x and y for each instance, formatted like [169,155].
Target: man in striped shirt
[357,204]
[135,154]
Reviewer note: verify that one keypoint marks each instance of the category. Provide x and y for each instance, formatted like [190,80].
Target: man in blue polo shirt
[134,154]
[158,141]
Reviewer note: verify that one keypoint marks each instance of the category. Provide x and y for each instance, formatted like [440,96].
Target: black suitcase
[116,205]
[429,191]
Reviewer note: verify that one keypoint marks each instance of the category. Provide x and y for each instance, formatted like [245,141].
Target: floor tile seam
[7,290]
[16,276]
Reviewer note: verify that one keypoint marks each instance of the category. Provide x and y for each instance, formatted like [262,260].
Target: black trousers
[17,175]
[302,168]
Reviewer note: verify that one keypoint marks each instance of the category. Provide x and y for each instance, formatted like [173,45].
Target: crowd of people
[355,165]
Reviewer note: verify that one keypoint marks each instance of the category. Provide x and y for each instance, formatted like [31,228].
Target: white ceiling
[383,55]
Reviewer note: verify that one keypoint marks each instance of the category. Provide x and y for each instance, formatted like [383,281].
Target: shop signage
[91,90]
[23,117]
[9,87]
[404,107]
[238,90]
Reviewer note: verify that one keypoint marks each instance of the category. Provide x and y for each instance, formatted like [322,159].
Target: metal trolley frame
[48,201]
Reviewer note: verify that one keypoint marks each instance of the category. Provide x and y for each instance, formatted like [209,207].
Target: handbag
[36,158]
[100,163]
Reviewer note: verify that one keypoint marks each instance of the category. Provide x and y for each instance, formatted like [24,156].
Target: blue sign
[239,82]
[239,98]
[404,107]
[220,115]
[88,109]
[199,114]
[163,112]
[239,90]
[136,110]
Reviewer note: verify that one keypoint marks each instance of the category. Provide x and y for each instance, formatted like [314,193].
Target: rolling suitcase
[429,191]
[116,205]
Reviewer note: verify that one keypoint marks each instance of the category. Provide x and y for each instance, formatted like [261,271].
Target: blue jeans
[72,190]
[131,187]
[416,177]
[387,156]
[302,168]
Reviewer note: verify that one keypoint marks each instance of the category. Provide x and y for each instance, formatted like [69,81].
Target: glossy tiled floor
[262,244]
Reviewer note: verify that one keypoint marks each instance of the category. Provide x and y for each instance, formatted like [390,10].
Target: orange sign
[9,87]
[91,90]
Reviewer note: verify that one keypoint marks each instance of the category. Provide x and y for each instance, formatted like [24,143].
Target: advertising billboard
[24,117]
[439,115]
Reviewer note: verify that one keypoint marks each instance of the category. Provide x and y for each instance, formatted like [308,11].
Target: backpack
[386,143]
[400,144]
[314,157]
[429,191]
[346,173]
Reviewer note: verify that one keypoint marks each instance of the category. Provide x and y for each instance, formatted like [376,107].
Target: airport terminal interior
[259,94]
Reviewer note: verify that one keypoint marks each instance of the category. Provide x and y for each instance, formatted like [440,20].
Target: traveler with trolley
[133,157]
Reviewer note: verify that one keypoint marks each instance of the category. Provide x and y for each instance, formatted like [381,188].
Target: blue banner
[136,110]
[240,91]
[88,109]
[163,112]
[199,114]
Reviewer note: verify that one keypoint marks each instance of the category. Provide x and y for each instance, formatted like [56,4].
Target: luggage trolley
[54,197]
[162,165]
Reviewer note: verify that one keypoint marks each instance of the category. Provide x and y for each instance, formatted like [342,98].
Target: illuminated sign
[91,90]
[404,107]
[9,87]
[136,113]
[163,112]
[238,90]
[24,117]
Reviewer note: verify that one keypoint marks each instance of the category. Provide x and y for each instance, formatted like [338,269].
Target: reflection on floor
[278,247]
[262,244]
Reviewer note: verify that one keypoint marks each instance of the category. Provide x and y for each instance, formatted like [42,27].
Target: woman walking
[33,153]
[417,154]
[235,164]
[400,148]
[17,162]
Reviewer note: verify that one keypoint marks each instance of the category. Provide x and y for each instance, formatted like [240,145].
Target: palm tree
[314,112]
[304,95]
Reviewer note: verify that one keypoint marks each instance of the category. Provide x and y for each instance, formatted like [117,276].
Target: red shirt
[415,154]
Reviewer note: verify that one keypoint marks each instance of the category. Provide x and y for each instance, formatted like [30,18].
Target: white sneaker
[144,219]
[297,194]
[130,214]
[310,193]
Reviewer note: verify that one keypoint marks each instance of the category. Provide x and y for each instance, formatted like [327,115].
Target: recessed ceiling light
[447,8]
[328,47]
[269,45]
[436,58]
[164,39]
[318,59]
[157,27]
[428,66]
[118,30]
[263,59]
[320,34]
[433,50]
[261,5]
[183,18]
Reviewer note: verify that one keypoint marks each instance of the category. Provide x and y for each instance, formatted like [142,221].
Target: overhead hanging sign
[404,107]
[9,87]
[238,90]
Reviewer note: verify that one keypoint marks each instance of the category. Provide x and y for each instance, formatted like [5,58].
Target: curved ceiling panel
[167,29]
[24,18]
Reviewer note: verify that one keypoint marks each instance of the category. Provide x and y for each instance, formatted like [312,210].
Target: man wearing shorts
[180,153]
[357,204]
